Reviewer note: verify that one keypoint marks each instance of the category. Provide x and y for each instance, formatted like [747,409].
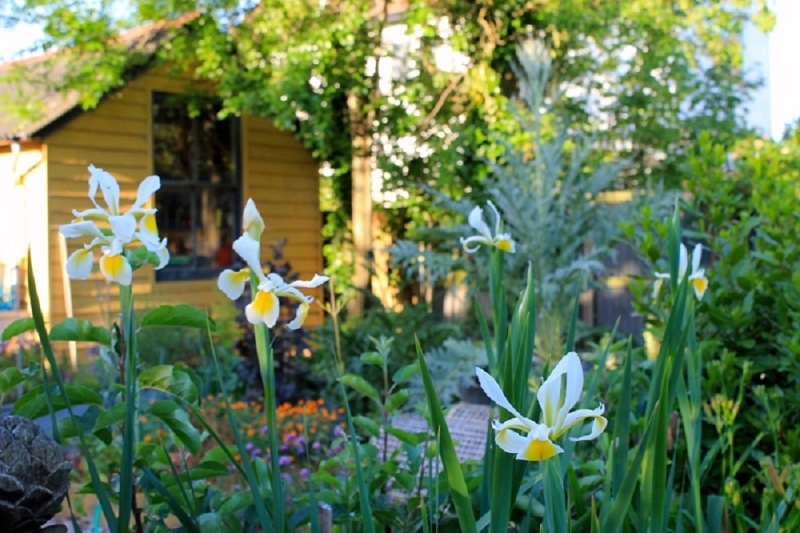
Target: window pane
[194,154]
[172,139]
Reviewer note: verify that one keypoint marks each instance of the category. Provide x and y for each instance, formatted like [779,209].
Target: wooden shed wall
[278,173]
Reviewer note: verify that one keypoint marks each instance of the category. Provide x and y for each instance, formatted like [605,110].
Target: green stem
[555,514]
[266,361]
[127,491]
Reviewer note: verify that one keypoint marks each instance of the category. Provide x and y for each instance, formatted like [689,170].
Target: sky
[774,58]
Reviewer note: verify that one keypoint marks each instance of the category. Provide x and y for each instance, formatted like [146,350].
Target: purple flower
[304,473]
[264,430]
[316,446]
[284,460]
[255,453]
[249,446]
[286,477]
[338,432]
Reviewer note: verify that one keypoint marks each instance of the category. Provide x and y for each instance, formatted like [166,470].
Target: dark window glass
[196,156]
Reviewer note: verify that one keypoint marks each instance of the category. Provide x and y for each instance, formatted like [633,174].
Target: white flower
[697,277]
[532,441]
[120,233]
[501,241]
[265,307]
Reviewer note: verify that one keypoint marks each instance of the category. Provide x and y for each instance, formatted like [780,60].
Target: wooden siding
[283,181]
[278,173]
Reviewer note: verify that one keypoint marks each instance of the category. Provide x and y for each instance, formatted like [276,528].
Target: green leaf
[12,377]
[404,373]
[75,329]
[17,327]
[360,384]
[452,468]
[204,470]
[34,404]
[367,424]
[114,415]
[396,400]
[407,437]
[182,315]
[372,358]
[177,380]
[177,420]
[69,427]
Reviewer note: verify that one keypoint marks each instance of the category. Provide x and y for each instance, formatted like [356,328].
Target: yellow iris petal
[505,245]
[149,224]
[116,268]
[700,285]
[539,450]
[265,309]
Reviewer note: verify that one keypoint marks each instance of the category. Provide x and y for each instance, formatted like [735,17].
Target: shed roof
[46,70]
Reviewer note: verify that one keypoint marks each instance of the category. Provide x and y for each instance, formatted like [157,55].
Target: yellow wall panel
[278,172]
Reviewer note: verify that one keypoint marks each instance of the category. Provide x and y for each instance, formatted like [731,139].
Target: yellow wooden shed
[208,167]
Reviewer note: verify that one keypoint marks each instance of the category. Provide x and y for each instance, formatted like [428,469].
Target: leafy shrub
[744,208]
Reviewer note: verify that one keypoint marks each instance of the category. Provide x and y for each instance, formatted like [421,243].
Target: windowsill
[188,273]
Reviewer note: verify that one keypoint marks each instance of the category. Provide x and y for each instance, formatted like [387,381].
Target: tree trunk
[361,173]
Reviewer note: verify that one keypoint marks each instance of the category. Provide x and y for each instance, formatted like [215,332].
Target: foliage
[451,366]
[744,210]
[549,190]
[357,334]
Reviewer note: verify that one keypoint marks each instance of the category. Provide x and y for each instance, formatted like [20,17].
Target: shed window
[197,157]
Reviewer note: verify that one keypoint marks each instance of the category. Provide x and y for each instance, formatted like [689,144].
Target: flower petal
[123,227]
[87,228]
[697,255]
[108,186]
[79,263]
[316,281]
[476,221]
[496,217]
[495,393]
[148,230]
[115,267]
[147,188]
[302,313]
[265,309]
[472,244]
[539,447]
[505,243]
[682,263]
[250,250]
[252,221]
[510,441]
[163,255]
[232,282]
[599,422]
[699,283]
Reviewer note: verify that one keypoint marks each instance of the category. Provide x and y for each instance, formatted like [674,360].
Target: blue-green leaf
[17,327]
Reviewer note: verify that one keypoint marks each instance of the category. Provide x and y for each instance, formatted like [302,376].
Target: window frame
[192,272]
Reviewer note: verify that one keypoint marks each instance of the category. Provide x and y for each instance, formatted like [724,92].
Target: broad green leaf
[12,377]
[182,315]
[404,373]
[396,400]
[33,405]
[204,470]
[76,329]
[367,424]
[17,327]
[113,415]
[177,420]
[407,437]
[360,384]
[372,358]
[69,427]
[172,379]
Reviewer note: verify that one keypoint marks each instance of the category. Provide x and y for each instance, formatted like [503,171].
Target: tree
[643,76]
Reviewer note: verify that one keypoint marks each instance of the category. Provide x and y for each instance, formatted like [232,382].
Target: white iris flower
[697,277]
[560,392]
[265,307]
[121,231]
[501,241]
